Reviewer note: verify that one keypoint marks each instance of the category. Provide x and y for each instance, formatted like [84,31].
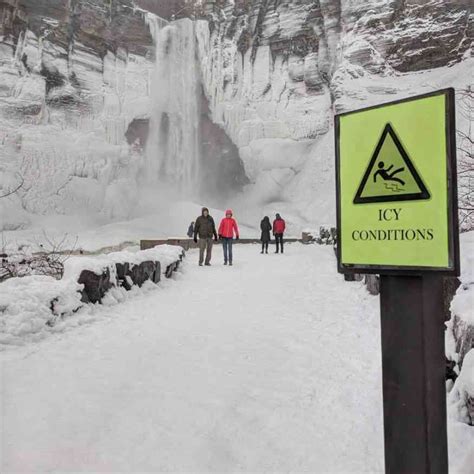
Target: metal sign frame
[452,198]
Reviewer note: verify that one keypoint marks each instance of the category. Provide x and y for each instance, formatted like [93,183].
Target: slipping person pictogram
[383,180]
[386,175]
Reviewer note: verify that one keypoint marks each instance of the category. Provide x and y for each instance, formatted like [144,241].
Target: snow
[165,254]
[25,306]
[34,307]
[463,302]
[227,378]
[460,431]
[159,221]
[271,365]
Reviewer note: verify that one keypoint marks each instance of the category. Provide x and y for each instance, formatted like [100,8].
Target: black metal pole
[413,364]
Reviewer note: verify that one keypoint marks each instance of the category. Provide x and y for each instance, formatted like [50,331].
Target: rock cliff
[276,71]
[78,89]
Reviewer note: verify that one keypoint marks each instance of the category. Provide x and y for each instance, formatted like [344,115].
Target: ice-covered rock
[277,71]
[74,77]
[81,95]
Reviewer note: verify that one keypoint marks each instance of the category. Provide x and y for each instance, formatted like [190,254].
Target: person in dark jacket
[205,229]
[279,227]
[265,238]
[190,230]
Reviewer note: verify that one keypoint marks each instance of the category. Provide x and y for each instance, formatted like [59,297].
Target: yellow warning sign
[396,187]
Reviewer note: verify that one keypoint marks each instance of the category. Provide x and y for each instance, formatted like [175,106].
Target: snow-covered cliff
[275,73]
[81,91]
[75,81]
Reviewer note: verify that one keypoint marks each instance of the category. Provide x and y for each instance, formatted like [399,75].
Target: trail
[270,365]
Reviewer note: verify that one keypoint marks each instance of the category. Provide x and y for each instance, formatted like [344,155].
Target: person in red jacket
[279,227]
[227,228]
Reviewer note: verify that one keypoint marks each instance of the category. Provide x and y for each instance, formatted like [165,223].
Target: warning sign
[391,175]
[396,187]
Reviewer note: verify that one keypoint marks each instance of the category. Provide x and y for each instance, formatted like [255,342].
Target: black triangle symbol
[423,192]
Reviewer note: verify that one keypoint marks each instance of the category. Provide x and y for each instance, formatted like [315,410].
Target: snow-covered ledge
[124,269]
[32,306]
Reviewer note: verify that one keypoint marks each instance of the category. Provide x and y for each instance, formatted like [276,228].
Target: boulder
[157,274]
[95,286]
[372,282]
[142,272]
[123,270]
[170,269]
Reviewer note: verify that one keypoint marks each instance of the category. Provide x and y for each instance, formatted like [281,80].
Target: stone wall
[125,275]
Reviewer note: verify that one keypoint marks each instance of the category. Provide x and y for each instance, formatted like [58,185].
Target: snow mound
[165,254]
[33,306]
[462,391]
[28,304]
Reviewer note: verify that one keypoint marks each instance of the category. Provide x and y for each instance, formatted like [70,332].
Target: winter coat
[279,226]
[205,227]
[228,227]
[266,228]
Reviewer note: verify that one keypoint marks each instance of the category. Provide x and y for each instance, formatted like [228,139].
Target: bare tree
[49,260]
[465,144]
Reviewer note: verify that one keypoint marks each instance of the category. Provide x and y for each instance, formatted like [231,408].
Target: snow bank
[165,254]
[460,328]
[459,343]
[29,304]
[461,397]
[33,306]
[463,303]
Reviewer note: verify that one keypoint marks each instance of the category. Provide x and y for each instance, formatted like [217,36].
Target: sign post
[397,217]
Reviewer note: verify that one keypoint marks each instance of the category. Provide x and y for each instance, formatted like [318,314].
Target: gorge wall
[76,95]
[74,76]
[276,72]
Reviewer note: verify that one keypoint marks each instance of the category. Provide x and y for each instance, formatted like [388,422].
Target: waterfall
[172,154]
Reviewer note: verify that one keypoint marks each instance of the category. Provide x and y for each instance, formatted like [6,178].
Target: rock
[123,270]
[137,132]
[464,337]
[170,269]
[450,373]
[222,169]
[95,286]
[450,286]
[142,272]
[372,282]
[307,237]
[157,274]
[68,68]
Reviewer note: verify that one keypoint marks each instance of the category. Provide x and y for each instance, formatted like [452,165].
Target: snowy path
[272,365]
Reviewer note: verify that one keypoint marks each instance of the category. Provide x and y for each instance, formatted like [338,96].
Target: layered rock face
[77,103]
[75,81]
[275,73]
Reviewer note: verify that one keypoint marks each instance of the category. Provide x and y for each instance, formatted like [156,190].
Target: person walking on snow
[279,227]
[205,229]
[265,238]
[227,228]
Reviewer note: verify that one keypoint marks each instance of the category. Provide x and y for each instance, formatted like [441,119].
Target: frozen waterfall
[172,154]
